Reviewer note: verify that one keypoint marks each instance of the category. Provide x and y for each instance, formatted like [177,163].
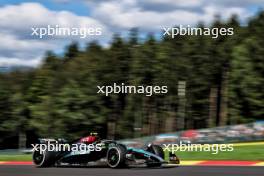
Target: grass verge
[15,157]
[243,153]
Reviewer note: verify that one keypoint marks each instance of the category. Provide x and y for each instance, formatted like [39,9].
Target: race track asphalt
[15,170]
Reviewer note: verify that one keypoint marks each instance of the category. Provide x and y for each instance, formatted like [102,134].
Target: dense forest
[224,80]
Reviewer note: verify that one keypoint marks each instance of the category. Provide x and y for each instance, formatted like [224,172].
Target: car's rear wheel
[44,159]
[116,156]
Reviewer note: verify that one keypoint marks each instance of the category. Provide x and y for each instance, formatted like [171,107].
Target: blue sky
[17,17]
[78,7]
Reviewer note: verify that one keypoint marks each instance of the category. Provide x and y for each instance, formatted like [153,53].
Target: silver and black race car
[110,152]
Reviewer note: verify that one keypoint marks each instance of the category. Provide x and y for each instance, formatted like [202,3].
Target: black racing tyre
[44,159]
[116,156]
[157,150]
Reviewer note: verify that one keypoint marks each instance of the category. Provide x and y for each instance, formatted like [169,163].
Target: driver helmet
[90,139]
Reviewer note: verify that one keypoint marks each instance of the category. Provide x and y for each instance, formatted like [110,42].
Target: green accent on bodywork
[146,153]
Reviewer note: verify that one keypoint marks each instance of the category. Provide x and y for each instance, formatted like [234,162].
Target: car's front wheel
[116,156]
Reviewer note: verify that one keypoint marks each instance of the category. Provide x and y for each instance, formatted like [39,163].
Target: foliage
[224,81]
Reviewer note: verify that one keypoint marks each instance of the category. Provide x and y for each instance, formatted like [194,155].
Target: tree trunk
[212,107]
[21,140]
[111,125]
[223,104]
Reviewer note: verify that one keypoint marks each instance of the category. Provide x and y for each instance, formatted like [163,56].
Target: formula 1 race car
[115,154]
